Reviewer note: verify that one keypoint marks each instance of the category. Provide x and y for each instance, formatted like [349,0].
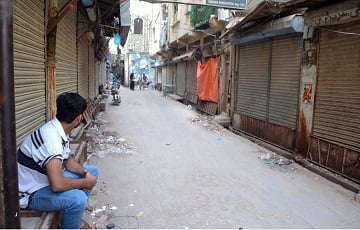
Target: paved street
[162,165]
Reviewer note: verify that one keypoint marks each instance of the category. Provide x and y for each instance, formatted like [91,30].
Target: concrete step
[222,120]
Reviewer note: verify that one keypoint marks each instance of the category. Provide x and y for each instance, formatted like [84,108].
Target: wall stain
[302,137]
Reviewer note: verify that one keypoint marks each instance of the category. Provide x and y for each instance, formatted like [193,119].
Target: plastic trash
[88,147]
[266,156]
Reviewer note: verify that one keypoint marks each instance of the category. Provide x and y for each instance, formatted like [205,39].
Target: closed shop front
[163,75]
[191,93]
[100,69]
[83,67]
[180,78]
[159,75]
[93,77]
[191,83]
[66,63]
[29,66]
[335,140]
[267,90]
[170,69]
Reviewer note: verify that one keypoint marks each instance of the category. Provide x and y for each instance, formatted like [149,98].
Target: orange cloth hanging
[208,80]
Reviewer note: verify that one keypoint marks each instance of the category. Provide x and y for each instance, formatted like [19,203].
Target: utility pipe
[66,8]
[7,116]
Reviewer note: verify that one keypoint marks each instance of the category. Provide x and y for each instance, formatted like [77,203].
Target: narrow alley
[164,165]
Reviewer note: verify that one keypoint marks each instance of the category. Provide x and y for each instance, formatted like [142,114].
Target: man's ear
[78,119]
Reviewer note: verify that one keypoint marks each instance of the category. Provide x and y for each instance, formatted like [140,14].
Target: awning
[110,15]
[286,25]
[251,13]
[258,9]
[184,57]
[125,21]
[225,4]
[125,13]
[159,65]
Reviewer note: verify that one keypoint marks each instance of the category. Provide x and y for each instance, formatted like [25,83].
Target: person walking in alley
[49,177]
[144,78]
[140,81]
[132,81]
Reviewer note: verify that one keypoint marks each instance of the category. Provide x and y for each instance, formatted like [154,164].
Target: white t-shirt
[47,142]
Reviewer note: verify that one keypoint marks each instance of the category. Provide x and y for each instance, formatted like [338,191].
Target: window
[138,26]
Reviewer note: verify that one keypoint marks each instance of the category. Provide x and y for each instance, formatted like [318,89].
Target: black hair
[69,106]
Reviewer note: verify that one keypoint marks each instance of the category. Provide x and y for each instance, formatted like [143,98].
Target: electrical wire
[274,11]
[339,32]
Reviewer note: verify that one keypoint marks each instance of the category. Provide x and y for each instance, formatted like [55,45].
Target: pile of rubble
[101,143]
[276,162]
[208,122]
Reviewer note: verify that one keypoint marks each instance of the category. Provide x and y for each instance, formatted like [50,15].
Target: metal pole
[7,116]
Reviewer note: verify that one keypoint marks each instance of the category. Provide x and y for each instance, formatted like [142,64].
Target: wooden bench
[40,220]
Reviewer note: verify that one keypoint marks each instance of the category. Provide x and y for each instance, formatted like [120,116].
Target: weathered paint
[278,135]
[335,158]
[302,135]
[305,118]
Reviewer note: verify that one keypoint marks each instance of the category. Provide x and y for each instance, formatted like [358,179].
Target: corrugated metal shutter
[103,69]
[191,82]
[252,91]
[285,72]
[92,74]
[337,102]
[100,70]
[163,75]
[180,78]
[83,67]
[66,69]
[29,66]
[159,69]
[169,74]
[97,71]
[101,77]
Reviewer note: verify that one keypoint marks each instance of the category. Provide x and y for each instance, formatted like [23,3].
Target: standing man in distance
[49,177]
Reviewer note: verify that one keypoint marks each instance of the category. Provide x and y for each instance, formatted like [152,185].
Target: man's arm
[59,183]
[73,166]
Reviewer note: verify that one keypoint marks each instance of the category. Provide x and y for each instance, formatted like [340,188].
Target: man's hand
[59,183]
[90,179]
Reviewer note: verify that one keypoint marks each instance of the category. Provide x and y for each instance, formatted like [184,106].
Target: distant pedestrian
[144,78]
[132,81]
[140,82]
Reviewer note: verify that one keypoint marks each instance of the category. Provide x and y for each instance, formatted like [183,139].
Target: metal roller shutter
[97,72]
[337,102]
[284,86]
[180,78]
[100,70]
[169,74]
[252,91]
[164,75]
[191,82]
[93,77]
[66,69]
[29,66]
[83,67]
[159,75]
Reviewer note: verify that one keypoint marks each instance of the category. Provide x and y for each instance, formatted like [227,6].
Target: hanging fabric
[208,80]
[117,39]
